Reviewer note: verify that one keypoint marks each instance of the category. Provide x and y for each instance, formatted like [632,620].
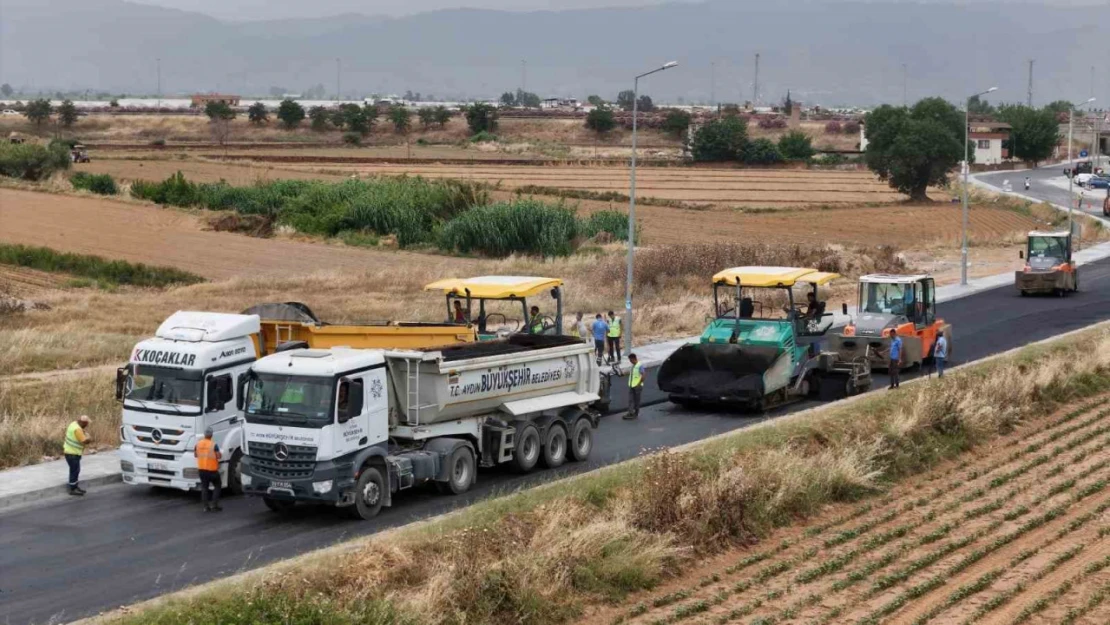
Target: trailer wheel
[235,474]
[555,447]
[281,506]
[460,472]
[369,494]
[581,440]
[527,451]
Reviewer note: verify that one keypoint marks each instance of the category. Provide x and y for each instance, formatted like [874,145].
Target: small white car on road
[9,112]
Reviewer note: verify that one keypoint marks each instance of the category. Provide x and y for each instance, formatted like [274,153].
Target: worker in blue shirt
[940,354]
[600,330]
[895,365]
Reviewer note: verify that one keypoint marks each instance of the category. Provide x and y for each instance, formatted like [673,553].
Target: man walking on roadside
[581,329]
[940,354]
[600,329]
[895,364]
[635,387]
[614,337]
[208,465]
[74,448]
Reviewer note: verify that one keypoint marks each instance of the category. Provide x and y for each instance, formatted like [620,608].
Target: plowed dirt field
[1019,532]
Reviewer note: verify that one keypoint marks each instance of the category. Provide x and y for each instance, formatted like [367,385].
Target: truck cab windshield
[290,400]
[178,387]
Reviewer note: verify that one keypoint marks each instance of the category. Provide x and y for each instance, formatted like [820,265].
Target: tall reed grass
[108,272]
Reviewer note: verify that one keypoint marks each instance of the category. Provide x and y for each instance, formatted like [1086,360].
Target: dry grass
[67,346]
[33,416]
[543,556]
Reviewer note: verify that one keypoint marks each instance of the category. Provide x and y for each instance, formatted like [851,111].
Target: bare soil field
[1017,532]
[146,234]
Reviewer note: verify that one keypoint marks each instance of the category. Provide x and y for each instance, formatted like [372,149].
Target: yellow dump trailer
[294,323]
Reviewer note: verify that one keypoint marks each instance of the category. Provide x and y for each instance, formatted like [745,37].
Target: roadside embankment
[545,555]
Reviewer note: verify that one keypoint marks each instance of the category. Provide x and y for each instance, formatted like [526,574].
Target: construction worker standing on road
[635,387]
[940,354]
[208,465]
[600,329]
[74,448]
[895,364]
[614,338]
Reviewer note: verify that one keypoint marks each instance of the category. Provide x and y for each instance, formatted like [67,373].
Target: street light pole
[1071,170]
[632,204]
[967,168]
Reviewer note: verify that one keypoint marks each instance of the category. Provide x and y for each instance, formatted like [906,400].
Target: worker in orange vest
[208,465]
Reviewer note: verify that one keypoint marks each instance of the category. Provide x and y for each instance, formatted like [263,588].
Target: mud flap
[716,372]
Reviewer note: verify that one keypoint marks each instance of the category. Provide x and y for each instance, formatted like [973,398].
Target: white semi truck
[177,384]
[353,427]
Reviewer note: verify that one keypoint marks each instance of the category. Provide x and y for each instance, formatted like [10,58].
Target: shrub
[352,138]
[768,123]
[481,118]
[173,191]
[31,161]
[483,137]
[676,122]
[101,184]
[102,270]
[796,146]
[519,226]
[723,139]
[601,120]
[851,128]
[833,128]
[762,152]
[612,222]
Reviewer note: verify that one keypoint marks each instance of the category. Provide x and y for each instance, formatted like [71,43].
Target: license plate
[286,485]
[158,466]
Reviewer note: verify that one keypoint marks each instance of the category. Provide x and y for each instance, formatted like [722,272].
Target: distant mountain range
[829,53]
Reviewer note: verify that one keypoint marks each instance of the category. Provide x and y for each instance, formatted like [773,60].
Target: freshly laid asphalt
[61,560]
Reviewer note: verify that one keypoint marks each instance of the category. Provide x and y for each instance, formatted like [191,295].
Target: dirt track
[1017,532]
[146,234]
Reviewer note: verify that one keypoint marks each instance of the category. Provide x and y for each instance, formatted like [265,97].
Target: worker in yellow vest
[535,321]
[208,466]
[614,338]
[73,448]
[635,387]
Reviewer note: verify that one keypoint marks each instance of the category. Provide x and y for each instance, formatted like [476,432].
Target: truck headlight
[245,479]
[322,487]
[190,473]
[126,466]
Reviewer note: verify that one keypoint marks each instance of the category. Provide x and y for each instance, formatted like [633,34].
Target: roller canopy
[495,287]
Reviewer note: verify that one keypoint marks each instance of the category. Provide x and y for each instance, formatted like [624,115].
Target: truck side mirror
[1021,254]
[121,382]
[844,309]
[241,392]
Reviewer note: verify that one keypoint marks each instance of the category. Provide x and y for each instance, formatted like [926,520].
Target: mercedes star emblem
[281,452]
[156,435]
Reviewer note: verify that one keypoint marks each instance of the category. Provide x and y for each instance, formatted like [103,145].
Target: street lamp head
[992,90]
[671,64]
[1090,100]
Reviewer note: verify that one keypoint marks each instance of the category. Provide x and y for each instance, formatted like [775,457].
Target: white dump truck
[353,427]
[177,384]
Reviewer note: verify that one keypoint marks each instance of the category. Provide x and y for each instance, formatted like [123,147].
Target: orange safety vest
[206,455]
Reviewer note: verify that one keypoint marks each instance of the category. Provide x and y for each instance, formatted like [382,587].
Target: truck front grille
[291,462]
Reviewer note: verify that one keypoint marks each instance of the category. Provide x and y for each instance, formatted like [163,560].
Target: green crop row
[104,271]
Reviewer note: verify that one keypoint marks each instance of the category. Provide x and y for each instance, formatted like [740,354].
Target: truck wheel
[581,440]
[369,494]
[281,506]
[235,474]
[460,472]
[527,451]
[555,447]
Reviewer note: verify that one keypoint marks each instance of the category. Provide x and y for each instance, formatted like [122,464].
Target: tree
[625,98]
[508,99]
[645,104]
[978,106]
[257,114]
[6,90]
[320,117]
[1035,132]
[67,113]
[442,116]
[219,111]
[718,140]
[595,100]
[676,122]
[38,111]
[481,117]
[401,118]
[352,117]
[914,148]
[762,151]
[1060,108]
[796,146]
[290,114]
[427,117]
[527,99]
[601,120]
[787,104]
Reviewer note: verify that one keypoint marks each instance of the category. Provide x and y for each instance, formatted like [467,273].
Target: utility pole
[1029,96]
[712,83]
[523,75]
[159,65]
[905,89]
[755,84]
[338,84]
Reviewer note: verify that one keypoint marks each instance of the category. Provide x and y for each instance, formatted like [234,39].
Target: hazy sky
[278,9]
